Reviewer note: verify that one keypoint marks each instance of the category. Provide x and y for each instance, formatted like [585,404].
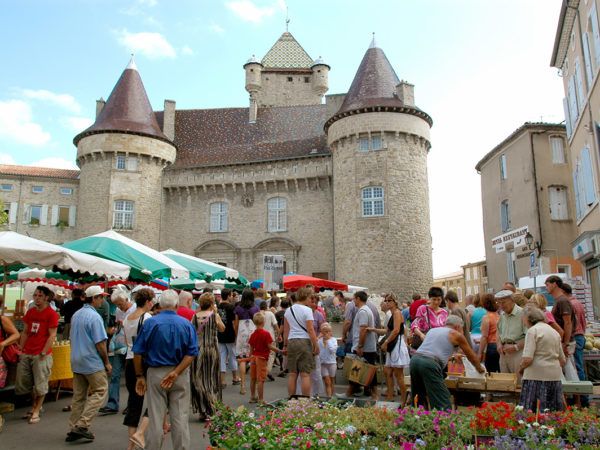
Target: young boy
[327,354]
[261,345]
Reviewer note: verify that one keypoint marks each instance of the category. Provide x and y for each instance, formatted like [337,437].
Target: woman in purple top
[244,327]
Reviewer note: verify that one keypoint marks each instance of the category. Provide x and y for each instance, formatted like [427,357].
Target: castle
[339,187]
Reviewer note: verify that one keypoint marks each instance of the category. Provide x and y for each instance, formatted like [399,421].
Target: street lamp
[533,244]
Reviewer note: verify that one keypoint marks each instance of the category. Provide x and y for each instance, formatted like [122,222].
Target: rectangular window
[376,142]
[218,217]
[6,187]
[572,99]
[132,163]
[504,216]
[558,150]
[475,289]
[510,267]
[468,274]
[307,79]
[558,203]
[363,143]
[475,273]
[63,216]
[564,268]
[290,79]
[503,171]
[66,191]
[277,214]
[121,162]
[35,216]
[123,215]
[372,201]
[37,189]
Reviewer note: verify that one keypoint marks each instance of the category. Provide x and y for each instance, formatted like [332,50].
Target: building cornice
[566,20]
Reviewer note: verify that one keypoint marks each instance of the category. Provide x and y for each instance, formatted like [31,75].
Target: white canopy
[16,248]
[229,272]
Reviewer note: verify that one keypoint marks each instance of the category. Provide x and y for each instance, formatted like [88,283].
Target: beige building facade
[323,181]
[576,55]
[525,187]
[454,281]
[475,278]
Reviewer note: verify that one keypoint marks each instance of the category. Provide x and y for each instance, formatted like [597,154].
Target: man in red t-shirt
[414,306]
[35,364]
[261,344]
[185,302]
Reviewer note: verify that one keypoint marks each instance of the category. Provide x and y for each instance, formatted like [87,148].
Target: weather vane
[287,18]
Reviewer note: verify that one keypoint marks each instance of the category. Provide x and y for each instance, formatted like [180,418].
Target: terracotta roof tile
[127,110]
[206,137]
[45,172]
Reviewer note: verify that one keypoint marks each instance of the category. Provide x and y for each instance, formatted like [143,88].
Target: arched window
[218,217]
[372,201]
[277,215]
[123,215]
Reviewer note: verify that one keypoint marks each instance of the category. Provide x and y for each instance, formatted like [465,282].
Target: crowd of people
[176,351]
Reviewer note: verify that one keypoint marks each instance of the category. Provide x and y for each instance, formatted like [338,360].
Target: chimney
[169,119]
[406,93]
[99,105]
[252,110]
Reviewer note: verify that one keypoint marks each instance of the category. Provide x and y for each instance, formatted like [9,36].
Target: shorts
[300,356]
[328,370]
[258,369]
[33,374]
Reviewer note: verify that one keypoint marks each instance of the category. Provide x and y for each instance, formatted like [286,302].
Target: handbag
[3,373]
[10,355]
[416,341]
[361,372]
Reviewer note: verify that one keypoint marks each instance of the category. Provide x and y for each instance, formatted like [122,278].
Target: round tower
[253,70]
[320,78]
[121,158]
[379,142]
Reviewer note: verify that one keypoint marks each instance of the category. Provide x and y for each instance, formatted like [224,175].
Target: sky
[481,68]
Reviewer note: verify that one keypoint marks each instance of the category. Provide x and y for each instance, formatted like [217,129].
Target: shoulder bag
[10,355]
[299,324]
[416,340]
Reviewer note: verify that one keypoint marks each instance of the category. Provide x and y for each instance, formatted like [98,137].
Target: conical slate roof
[127,110]
[374,89]
[287,53]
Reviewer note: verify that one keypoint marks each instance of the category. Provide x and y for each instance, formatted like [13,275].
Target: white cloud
[186,50]
[148,2]
[76,123]
[55,163]
[5,158]
[249,11]
[216,28]
[65,101]
[151,45]
[16,124]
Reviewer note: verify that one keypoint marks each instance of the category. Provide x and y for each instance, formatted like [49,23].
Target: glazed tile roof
[45,172]
[206,137]
[374,88]
[287,53]
[127,110]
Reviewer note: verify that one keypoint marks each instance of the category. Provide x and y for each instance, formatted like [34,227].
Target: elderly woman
[541,364]
[488,352]
[429,316]
[539,301]
[206,385]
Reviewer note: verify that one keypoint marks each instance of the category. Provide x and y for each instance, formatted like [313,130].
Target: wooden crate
[477,384]
[451,382]
[502,382]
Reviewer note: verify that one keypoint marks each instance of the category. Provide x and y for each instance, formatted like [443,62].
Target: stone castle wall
[392,252]
[277,90]
[307,243]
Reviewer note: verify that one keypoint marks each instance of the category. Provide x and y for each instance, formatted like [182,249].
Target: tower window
[307,79]
[123,215]
[121,162]
[372,201]
[290,79]
[129,163]
[376,143]
[218,217]
[277,214]
[363,143]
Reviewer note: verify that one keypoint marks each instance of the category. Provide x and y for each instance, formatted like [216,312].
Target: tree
[3,214]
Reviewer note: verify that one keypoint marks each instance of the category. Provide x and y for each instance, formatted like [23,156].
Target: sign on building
[273,272]
[510,240]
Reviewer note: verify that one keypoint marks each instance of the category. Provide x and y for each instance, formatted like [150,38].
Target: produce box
[502,382]
[577,387]
[451,382]
[477,384]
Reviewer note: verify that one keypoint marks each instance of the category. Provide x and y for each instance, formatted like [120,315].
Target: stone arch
[277,246]
[219,251]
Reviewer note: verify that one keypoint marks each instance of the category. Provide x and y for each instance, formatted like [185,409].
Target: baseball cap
[503,293]
[60,293]
[92,291]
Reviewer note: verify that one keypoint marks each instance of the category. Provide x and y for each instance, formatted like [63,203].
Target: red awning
[294,282]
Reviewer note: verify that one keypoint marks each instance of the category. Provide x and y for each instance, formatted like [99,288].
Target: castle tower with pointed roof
[286,76]
[379,142]
[122,157]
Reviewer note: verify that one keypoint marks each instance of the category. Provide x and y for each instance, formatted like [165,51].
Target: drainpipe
[19,205]
[537,197]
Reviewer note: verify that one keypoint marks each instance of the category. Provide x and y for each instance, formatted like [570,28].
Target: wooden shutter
[572,97]
[26,213]
[44,215]
[12,213]
[558,152]
[587,60]
[558,203]
[595,34]
[588,176]
[578,209]
[54,215]
[579,86]
[567,116]
[72,215]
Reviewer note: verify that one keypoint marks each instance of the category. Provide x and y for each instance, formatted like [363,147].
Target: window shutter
[587,60]
[72,215]
[54,216]
[44,215]
[558,203]
[567,116]
[12,213]
[579,86]
[595,34]
[577,195]
[588,177]
[132,163]
[558,153]
[26,213]
[573,110]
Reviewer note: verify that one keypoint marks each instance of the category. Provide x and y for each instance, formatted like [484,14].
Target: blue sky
[480,67]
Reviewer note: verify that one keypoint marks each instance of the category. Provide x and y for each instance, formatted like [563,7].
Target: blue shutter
[567,117]
[595,34]
[577,195]
[579,81]
[588,176]
[587,60]
[572,97]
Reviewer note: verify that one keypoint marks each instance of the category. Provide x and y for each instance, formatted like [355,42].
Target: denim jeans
[117,362]
[578,356]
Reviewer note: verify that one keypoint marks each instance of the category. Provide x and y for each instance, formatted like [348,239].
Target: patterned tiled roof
[45,172]
[287,53]
[206,137]
[127,110]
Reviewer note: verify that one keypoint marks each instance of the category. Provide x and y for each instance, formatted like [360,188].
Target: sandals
[33,420]
[138,444]
[243,390]
[27,415]
[253,400]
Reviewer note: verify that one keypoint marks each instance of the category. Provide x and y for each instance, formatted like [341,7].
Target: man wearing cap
[511,333]
[90,364]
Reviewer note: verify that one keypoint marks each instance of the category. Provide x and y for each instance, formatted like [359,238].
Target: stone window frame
[120,215]
[372,141]
[557,138]
[65,190]
[37,189]
[281,214]
[6,187]
[368,199]
[223,216]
